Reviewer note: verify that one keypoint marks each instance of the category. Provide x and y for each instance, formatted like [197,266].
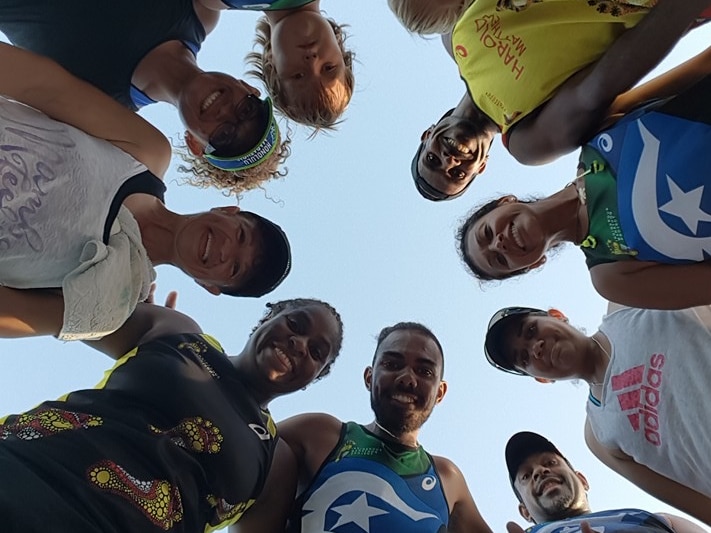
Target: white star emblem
[686,205]
[358,512]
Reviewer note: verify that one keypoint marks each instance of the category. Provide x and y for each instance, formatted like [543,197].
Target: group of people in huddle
[177,436]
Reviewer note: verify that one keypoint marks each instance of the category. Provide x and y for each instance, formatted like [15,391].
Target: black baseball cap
[275,263]
[523,445]
[494,336]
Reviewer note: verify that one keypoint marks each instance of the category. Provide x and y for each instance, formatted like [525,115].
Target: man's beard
[396,420]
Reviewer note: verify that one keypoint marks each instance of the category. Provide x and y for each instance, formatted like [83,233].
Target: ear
[368,377]
[583,479]
[544,380]
[441,391]
[523,511]
[227,210]
[426,134]
[194,145]
[555,313]
[482,167]
[212,289]
[508,199]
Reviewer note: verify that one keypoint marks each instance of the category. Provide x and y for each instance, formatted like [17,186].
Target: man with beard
[374,477]
[553,496]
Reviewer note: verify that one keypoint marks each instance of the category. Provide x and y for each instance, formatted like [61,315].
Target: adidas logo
[638,393]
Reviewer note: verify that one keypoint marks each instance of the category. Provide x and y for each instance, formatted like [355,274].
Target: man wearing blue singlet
[374,477]
[553,496]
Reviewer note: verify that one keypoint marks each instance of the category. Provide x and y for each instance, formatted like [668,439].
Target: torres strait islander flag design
[662,164]
[613,521]
[371,498]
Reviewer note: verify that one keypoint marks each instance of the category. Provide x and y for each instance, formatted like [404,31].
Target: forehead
[476,251]
[412,345]
[539,458]
[319,318]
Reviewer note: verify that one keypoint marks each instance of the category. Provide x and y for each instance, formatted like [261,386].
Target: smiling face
[506,240]
[214,103]
[405,380]
[307,56]
[550,489]
[544,347]
[294,346]
[454,152]
[219,248]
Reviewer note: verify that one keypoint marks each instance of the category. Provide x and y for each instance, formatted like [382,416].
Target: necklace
[607,356]
[388,432]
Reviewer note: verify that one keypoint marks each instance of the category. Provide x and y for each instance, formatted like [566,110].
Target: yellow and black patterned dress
[170,440]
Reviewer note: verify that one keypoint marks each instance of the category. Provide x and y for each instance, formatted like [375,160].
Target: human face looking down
[295,346]
[213,103]
[454,152]
[405,381]
[550,489]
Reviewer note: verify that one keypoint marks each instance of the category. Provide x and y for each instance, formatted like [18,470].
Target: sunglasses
[222,139]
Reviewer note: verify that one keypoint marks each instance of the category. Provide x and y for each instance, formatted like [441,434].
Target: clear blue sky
[365,241]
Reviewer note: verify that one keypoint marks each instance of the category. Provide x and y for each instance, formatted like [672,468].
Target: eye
[235,269]
[530,331]
[501,259]
[431,159]
[488,234]
[298,76]
[316,352]
[524,477]
[328,67]
[295,325]
[222,136]
[427,372]
[458,175]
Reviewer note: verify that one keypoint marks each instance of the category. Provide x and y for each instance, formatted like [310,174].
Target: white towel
[102,292]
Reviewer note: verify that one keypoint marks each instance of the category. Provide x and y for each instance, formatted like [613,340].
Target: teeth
[457,146]
[403,398]
[283,358]
[209,100]
[207,248]
[516,236]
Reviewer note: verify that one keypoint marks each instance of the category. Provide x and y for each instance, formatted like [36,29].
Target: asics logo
[638,393]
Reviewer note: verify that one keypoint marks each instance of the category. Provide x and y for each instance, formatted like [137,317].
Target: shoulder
[451,476]
[301,429]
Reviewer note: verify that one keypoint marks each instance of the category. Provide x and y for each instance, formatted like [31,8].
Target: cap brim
[493,339]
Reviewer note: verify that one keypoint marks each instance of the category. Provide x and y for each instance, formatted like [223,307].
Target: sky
[365,241]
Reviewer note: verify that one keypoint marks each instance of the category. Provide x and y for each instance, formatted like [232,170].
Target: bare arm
[667,490]
[271,510]
[582,103]
[464,516]
[670,83]
[41,83]
[650,285]
[38,312]
[30,312]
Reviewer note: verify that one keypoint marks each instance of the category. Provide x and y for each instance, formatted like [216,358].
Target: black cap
[494,336]
[523,445]
[423,187]
[275,264]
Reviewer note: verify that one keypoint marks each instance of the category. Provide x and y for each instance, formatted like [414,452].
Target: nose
[536,349]
[298,345]
[498,242]
[310,54]
[407,379]
[539,471]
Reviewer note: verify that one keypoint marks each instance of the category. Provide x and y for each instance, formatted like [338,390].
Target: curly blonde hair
[427,17]
[323,109]
[199,173]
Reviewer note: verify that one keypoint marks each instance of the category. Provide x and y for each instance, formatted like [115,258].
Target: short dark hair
[274,308]
[408,326]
